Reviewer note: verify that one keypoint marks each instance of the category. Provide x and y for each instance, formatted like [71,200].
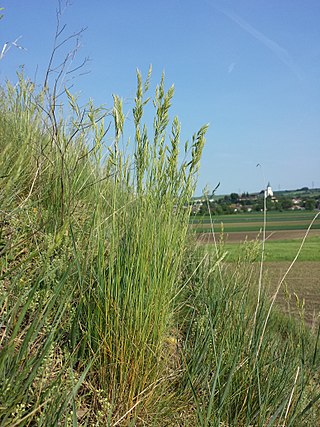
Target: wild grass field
[111,312]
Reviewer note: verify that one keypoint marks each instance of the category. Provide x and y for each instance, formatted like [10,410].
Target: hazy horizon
[275,190]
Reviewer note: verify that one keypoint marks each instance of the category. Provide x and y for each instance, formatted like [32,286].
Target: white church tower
[268,191]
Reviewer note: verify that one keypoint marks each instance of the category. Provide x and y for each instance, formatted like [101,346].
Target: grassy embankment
[108,317]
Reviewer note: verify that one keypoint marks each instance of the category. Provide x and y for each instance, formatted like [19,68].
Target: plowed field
[300,289]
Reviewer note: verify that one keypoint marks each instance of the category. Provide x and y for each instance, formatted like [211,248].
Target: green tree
[203,210]
[310,204]
[285,203]
[218,209]
[234,197]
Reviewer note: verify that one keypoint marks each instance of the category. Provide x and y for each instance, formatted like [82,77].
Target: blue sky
[249,68]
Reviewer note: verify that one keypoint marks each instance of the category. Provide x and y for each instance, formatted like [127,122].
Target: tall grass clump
[139,228]
[108,229]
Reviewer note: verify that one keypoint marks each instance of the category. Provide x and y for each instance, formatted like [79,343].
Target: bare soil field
[246,224]
[240,236]
[299,294]
[300,290]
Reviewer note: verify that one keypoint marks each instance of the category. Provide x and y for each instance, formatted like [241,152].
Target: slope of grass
[107,316]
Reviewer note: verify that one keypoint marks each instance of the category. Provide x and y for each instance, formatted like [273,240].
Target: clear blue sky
[250,68]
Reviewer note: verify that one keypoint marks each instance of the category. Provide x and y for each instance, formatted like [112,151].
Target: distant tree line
[245,202]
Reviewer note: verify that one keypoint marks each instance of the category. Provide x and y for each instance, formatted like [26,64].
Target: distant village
[300,199]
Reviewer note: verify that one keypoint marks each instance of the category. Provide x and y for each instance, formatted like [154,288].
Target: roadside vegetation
[111,313]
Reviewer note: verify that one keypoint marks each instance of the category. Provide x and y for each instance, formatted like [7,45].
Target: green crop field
[236,228]
[281,250]
[255,217]
[275,220]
